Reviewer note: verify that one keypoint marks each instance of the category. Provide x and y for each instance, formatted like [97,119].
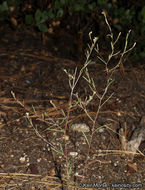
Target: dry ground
[35,76]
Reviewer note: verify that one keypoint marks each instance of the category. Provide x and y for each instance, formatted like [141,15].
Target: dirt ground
[34,90]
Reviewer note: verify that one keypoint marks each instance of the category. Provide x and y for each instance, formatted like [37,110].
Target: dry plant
[74,78]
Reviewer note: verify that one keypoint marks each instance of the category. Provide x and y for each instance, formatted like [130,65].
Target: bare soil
[32,82]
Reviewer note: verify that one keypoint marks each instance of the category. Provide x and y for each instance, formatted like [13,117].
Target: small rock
[73,154]
[101,129]
[22,160]
[80,127]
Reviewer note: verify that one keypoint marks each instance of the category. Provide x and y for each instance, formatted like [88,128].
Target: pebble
[80,127]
